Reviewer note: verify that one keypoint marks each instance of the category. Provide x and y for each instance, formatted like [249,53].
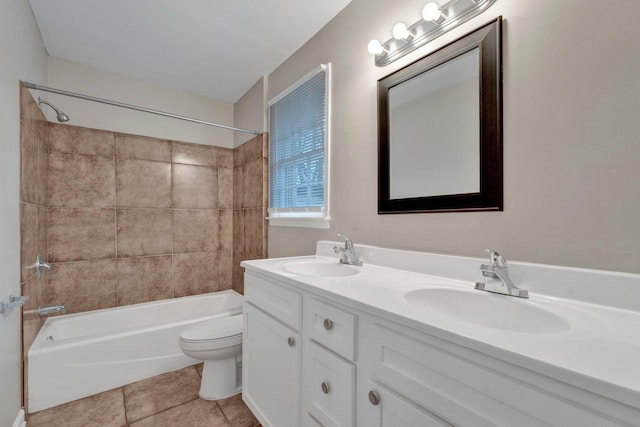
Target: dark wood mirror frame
[488,39]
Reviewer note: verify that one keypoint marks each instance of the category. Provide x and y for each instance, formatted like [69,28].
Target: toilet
[219,343]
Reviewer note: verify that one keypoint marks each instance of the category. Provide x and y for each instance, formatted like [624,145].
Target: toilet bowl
[219,343]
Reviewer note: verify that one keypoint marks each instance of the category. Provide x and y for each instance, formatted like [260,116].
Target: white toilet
[219,343]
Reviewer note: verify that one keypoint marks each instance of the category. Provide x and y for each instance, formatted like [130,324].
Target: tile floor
[167,400]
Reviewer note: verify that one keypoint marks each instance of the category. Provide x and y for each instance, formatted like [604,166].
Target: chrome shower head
[61,115]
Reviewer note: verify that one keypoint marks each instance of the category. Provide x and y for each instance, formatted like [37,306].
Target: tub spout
[51,309]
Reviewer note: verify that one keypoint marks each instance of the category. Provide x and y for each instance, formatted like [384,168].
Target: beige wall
[571,130]
[79,78]
[246,115]
[22,57]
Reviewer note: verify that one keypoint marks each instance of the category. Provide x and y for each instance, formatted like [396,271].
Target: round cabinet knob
[325,388]
[328,324]
[291,341]
[374,398]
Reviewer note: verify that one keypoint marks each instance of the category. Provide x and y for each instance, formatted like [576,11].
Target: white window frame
[302,217]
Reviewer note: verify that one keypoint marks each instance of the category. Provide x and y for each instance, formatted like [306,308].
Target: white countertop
[598,351]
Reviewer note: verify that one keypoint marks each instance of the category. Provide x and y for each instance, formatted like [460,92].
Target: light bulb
[374,47]
[400,31]
[431,12]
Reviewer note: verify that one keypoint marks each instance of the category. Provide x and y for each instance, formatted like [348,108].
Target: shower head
[62,117]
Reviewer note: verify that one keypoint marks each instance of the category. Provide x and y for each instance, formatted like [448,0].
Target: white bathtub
[81,354]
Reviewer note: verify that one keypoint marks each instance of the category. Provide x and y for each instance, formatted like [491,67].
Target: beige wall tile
[195,230]
[194,154]
[225,157]
[43,227]
[225,188]
[238,156]
[196,413]
[253,149]
[81,234]
[238,187]
[254,224]
[238,230]
[28,239]
[195,273]
[195,187]
[153,395]
[83,285]
[143,183]
[43,165]
[238,272]
[144,232]
[142,147]
[225,230]
[78,140]
[29,164]
[144,279]
[104,410]
[253,182]
[225,270]
[81,181]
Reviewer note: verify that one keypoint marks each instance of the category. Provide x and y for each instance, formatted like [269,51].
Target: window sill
[299,222]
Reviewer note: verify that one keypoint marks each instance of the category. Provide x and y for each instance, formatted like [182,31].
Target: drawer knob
[291,341]
[328,324]
[325,388]
[374,398]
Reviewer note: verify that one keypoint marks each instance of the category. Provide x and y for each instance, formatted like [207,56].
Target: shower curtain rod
[133,107]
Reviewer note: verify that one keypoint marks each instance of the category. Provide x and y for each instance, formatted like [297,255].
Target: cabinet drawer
[391,410]
[279,301]
[328,387]
[330,326]
[464,388]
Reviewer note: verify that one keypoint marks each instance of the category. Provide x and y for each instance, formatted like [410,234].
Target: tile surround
[126,219]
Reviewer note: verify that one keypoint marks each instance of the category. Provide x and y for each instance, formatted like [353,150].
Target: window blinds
[298,134]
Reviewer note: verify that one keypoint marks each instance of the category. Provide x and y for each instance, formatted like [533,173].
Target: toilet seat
[218,333]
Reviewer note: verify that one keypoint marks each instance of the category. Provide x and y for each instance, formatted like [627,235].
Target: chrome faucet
[496,277]
[40,264]
[51,309]
[348,253]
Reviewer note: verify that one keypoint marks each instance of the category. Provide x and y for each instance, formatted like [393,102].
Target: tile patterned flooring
[168,400]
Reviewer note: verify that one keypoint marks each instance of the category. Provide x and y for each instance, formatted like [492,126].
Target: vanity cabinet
[311,359]
[272,352]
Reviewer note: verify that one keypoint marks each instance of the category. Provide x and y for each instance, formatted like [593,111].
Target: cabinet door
[387,409]
[271,357]
[328,386]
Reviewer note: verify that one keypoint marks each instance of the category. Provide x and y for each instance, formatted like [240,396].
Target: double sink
[455,303]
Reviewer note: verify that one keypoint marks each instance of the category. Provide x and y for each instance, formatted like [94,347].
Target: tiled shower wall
[250,202]
[135,219]
[125,219]
[33,211]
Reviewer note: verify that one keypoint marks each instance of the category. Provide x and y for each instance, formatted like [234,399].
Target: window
[298,155]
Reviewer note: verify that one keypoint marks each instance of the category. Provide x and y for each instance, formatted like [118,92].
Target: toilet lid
[214,329]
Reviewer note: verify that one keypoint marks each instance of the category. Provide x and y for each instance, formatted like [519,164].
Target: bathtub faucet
[51,309]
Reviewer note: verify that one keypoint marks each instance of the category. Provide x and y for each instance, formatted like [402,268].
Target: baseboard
[19,421]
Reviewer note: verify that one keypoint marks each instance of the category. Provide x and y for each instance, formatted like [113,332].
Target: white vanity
[406,340]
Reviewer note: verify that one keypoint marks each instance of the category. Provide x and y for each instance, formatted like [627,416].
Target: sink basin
[319,268]
[488,309]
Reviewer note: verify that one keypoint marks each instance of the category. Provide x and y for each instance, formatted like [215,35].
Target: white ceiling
[216,48]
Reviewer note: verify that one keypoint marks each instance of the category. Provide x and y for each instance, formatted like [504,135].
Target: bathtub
[77,355]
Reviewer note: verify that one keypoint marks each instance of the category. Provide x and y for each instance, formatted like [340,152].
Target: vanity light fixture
[431,12]
[401,32]
[436,20]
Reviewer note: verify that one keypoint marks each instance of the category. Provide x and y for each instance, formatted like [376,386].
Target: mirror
[440,129]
